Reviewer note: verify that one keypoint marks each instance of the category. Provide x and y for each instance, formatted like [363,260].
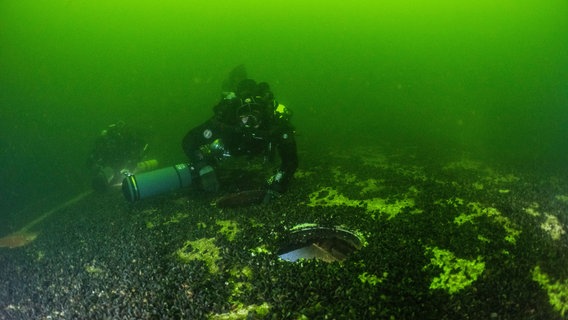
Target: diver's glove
[276,182]
[275,187]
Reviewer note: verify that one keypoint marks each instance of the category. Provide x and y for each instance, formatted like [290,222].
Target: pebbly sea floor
[453,239]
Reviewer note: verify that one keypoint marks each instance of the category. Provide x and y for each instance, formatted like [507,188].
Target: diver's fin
[236,75]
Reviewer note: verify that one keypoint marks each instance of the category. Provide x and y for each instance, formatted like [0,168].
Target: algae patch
[372,279]
[154,219]
[557,291]
[203,249]
[457,273]
[532,210]
[391,209]
[248,312]
[93,269]
[176,218]
[553,227]
[329,197]
[229,228]
[241,285]
[476,210]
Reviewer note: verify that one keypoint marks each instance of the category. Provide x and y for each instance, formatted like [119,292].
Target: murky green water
[482,78]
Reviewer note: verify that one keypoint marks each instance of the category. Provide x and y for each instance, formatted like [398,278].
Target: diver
[248,123]
[117,151]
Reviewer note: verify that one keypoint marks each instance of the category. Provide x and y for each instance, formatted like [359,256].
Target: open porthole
[311,241]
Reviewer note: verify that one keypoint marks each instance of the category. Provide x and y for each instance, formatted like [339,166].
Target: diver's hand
[276,182]
[275,187]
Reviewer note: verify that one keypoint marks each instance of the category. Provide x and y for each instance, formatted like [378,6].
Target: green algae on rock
[557,291]
[457,273]
[203,249]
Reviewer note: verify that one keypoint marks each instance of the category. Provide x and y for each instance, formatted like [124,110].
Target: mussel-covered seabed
[455,239]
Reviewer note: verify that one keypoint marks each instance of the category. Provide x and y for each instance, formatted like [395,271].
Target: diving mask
[250,113]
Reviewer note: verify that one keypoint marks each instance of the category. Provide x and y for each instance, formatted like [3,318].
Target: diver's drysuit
[246,123]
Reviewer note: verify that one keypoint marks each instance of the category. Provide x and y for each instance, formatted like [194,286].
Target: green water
[487,79]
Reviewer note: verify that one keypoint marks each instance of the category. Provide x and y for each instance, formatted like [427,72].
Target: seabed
[440,240]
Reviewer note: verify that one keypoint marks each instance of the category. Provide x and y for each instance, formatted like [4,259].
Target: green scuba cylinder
[151,183]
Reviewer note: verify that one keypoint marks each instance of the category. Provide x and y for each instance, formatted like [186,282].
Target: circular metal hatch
[311,241]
